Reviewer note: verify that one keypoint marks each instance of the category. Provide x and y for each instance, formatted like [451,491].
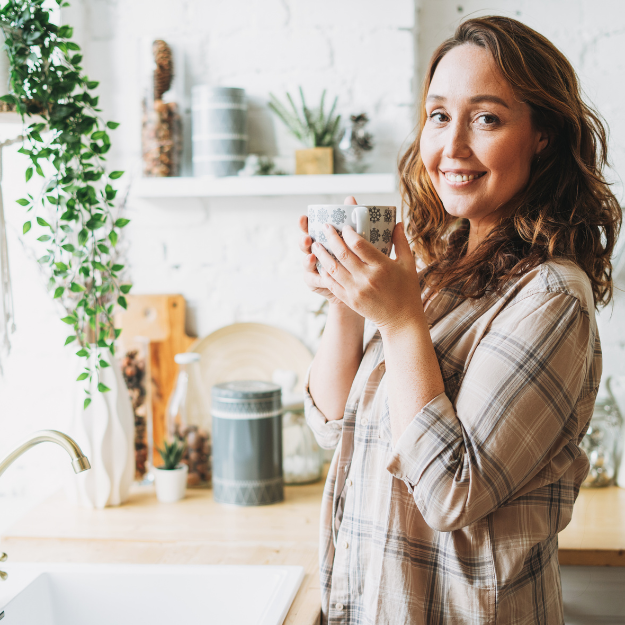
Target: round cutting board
[251,351]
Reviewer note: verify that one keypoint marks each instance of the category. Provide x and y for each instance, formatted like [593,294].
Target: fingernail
[327,226]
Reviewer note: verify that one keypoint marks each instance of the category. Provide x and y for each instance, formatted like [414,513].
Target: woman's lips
[462,179]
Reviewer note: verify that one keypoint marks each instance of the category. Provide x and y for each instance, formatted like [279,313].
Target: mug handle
[360,215]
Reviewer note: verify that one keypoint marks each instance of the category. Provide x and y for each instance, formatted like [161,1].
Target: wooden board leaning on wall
[161,320]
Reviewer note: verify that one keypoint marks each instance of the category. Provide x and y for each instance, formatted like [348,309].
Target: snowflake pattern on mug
[388,215]
[311,214]
[384,250]
[338,216]
[322,215]
[374,235]
[374,214]
[321,237]
[386,237]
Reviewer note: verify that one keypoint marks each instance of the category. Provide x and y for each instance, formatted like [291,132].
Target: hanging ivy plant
[72,212]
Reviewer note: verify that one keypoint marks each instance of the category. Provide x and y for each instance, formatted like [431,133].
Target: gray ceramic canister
[247,443]
[219,130]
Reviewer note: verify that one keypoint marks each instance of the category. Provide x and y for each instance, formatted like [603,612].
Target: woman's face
[478,141]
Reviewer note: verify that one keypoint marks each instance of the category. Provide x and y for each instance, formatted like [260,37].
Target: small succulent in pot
[171,453]
[171,479]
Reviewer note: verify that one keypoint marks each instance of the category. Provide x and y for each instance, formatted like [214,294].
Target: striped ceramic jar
[219,130]
[247,443]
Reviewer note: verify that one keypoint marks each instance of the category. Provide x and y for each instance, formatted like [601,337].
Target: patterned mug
[374,223]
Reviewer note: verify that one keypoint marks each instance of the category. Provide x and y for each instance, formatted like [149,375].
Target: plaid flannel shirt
[457,523]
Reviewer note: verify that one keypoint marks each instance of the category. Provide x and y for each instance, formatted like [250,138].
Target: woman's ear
[543,142]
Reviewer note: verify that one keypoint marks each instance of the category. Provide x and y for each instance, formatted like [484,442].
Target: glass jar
[302,458]
[601,442]
[188,419]
[135,366]
[161,126]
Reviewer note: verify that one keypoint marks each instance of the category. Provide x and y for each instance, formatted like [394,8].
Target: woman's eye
[438,117]
[487,120]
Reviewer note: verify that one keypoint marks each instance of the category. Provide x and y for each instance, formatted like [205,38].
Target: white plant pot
[105,432]
[171,484]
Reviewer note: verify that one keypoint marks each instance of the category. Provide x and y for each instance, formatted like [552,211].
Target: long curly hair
[566,210]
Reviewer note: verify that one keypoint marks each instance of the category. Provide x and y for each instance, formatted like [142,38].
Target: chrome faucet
[79,460]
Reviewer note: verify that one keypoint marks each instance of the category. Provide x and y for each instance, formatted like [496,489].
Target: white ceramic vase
[105,432]
[171,484]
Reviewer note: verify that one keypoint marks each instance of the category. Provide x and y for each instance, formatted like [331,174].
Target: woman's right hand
[311,275]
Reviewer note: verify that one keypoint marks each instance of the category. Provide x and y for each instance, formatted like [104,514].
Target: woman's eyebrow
[476,99]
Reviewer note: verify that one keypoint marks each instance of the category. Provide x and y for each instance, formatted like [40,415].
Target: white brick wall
[236,259]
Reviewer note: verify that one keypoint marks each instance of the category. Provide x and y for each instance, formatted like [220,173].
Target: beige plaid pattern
[458,522]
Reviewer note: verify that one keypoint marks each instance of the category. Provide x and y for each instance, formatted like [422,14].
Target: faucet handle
[3,557]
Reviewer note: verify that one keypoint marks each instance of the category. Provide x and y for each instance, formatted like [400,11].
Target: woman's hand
[311,276]
[383,290]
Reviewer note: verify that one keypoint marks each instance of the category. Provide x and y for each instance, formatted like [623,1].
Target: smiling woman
[503,104]
[458,407]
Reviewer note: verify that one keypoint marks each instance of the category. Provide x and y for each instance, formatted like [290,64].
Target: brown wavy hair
[566,210]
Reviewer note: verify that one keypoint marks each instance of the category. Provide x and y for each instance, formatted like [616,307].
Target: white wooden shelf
[263,185]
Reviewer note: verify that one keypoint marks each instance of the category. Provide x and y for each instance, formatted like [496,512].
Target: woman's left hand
[383,290]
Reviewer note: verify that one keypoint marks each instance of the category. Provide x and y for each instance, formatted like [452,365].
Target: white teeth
[461,177]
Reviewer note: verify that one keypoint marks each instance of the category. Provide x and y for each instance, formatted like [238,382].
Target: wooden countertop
[199,531]
[195,530]
[596,534]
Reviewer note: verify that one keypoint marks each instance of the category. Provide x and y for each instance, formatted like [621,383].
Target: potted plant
[171,478]
[73,214]
[315,129]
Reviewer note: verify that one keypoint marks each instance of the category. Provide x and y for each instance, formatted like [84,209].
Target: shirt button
[364,421]
[348,482]
[339,607]
[345,545]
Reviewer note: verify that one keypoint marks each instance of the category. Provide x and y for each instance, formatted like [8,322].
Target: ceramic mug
[374,223]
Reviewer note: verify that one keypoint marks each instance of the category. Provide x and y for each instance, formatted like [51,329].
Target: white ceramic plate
[251,351]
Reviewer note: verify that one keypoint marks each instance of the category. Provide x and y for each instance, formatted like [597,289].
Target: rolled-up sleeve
[514,416]
[327,433]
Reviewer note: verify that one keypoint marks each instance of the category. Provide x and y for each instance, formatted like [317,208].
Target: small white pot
[171,484]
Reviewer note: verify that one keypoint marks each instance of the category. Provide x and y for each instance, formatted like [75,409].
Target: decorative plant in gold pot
[314,128]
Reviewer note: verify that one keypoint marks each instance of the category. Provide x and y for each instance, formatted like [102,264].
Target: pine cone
[164,72]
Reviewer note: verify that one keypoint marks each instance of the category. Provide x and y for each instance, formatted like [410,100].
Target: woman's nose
[457,141]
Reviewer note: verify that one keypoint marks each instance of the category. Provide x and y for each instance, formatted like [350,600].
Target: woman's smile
[460,178]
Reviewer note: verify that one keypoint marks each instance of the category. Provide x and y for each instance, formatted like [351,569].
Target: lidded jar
[189,419]
[247,420]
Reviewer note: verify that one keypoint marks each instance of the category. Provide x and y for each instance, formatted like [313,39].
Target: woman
[458,424]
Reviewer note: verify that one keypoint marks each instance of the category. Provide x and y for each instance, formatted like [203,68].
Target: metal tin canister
[247,443]
[219,130]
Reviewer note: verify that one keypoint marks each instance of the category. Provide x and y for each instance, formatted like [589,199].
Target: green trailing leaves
[75,204]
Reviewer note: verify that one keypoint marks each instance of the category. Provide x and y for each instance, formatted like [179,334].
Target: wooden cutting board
[161,320]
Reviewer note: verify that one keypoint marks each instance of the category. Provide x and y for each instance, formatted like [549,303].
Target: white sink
[133,594]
